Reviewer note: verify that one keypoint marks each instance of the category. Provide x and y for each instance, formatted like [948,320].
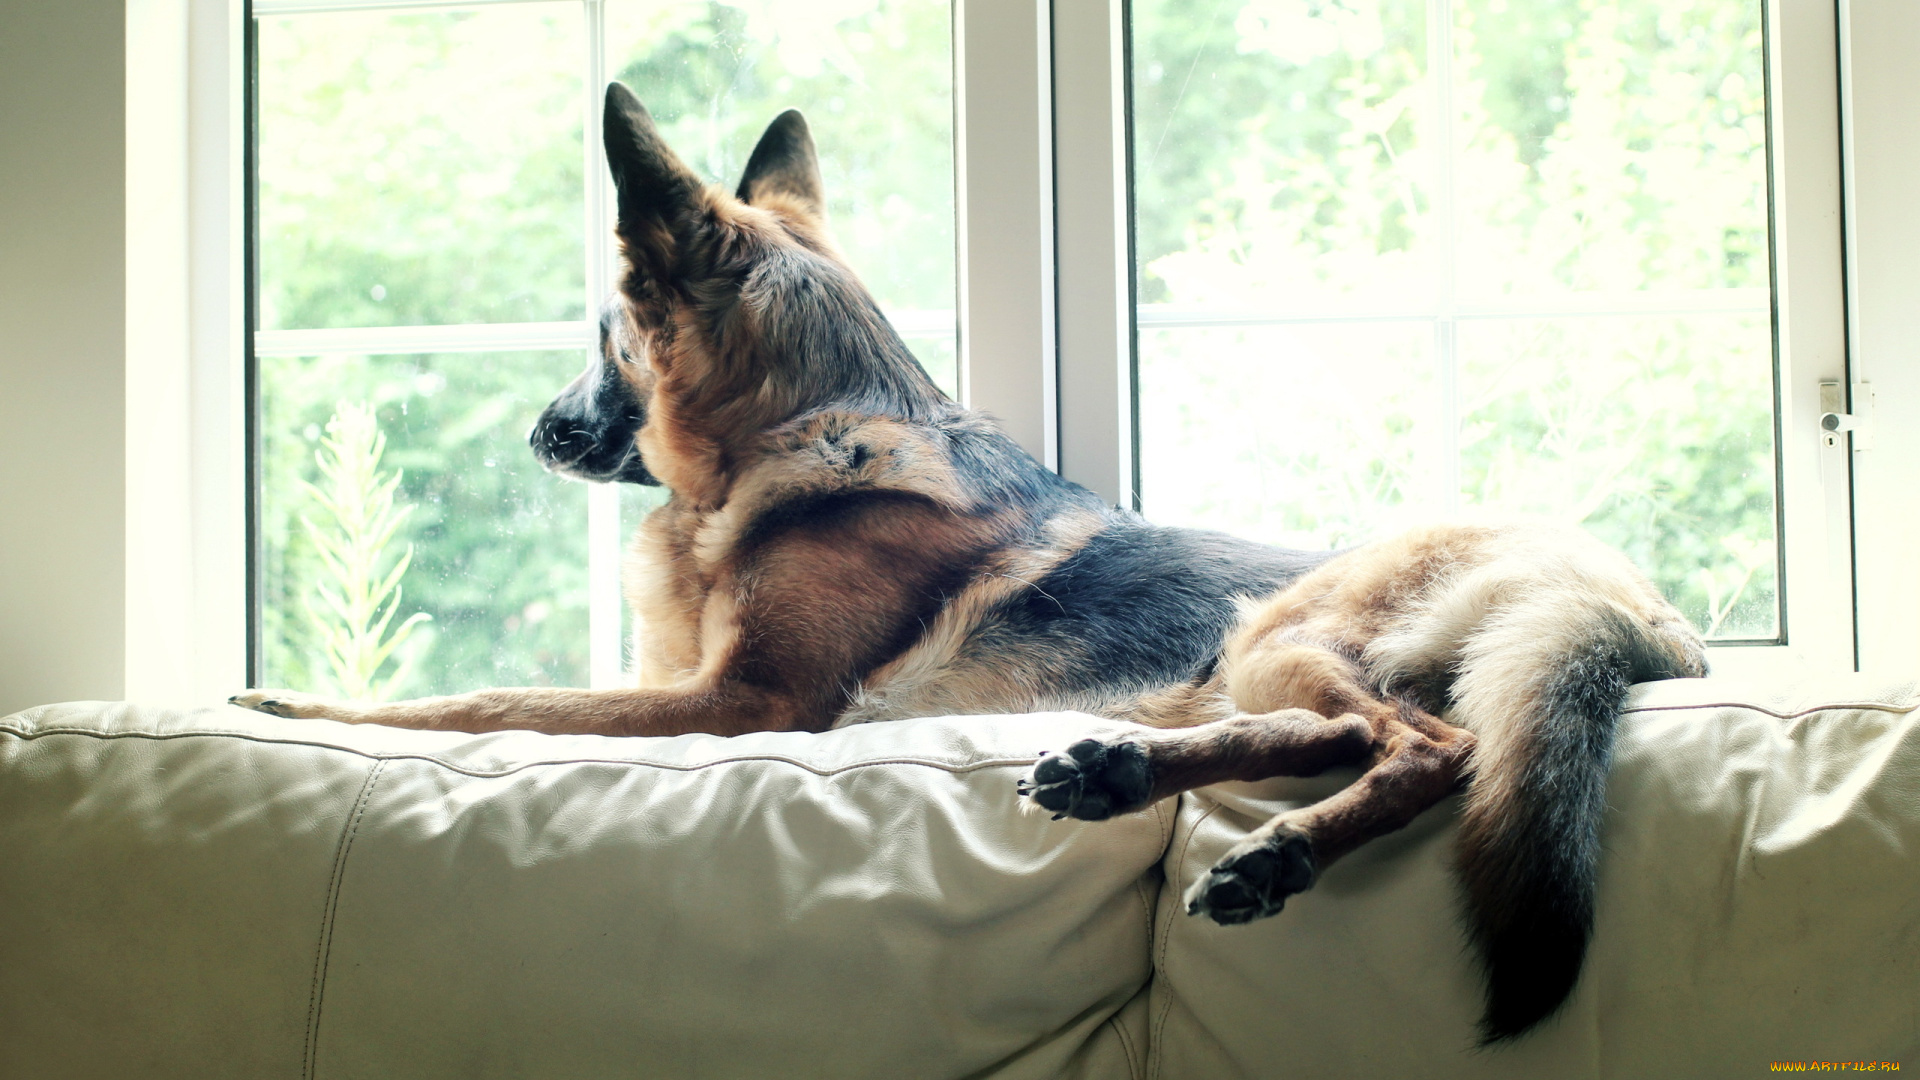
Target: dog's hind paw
[1255,883]
[1092,781]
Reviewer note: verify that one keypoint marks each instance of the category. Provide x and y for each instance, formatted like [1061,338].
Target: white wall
[62,367]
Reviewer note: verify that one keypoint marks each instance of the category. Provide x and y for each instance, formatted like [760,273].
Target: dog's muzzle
[589,432]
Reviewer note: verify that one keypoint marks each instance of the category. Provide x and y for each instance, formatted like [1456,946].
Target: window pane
[1656,433]
[1609,147]
[1304,436]
[1565,201]
[1278,151]
[875,80]
[421,168]
[424,169]
[498,546]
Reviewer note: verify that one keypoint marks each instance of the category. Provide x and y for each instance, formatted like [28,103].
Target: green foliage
[423,168]
[500,551]
[420,169]
[1295,155]
[875,81]
[358,598]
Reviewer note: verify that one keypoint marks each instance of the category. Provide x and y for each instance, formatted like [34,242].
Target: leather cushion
[1759,901]
[219,893]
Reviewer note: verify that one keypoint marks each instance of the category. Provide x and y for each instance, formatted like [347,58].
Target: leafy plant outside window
[360,591]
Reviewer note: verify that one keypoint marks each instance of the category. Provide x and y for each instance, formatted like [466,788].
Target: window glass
[1406,259]
[421,168]
[875,80]
[426,169]
[1346,424]
[493,548]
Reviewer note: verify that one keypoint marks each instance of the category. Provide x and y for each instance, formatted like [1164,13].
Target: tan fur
[828,453]
[1330,669]
[1490,603]
[934,679]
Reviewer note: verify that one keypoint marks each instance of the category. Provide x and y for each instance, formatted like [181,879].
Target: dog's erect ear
[785,164]
[654,186]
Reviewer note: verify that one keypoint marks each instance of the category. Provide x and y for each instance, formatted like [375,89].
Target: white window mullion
[1003,190]
[159,428]
[606,646]
[185,620]
[216,80]
[1092,256]
[599,197]
[1446,358]
[415,340]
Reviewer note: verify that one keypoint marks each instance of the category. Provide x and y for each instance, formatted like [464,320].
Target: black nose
[560,440]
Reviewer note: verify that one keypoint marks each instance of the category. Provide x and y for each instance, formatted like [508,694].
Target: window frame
[1044,305]
[1818,629]
[1879,137]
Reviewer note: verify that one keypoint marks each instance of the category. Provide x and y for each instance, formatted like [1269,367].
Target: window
[1401,259]
[1303,269]
[433,235]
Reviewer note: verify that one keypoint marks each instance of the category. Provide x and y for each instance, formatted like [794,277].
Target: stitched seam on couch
[1136,1062]
[1136,1069]
[1149,902]
[1856,706]
[669,766]
[323,951]
[1156,1035]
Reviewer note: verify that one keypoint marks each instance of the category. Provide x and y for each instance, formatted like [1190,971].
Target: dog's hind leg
[1416,760]
[1420,761]
[1318,712]
[1095,779]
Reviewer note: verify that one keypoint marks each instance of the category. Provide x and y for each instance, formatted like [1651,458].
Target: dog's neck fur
[776,329]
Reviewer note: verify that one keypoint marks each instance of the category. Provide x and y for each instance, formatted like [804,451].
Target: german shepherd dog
[844,544]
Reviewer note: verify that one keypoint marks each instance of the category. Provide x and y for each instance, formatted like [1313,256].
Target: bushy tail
[1542,684]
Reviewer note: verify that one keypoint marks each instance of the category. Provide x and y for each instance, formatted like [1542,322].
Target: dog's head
[735,315]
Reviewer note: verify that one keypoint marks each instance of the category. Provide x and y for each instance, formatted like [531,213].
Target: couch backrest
[219,893]
[1759,901]
[223,894]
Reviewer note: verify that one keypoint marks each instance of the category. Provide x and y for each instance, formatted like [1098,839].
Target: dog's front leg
[720,708]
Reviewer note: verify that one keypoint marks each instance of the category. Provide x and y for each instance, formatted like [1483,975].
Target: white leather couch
[222,894]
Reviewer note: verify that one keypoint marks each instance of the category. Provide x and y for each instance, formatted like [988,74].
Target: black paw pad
[1092,781]
[1254,884]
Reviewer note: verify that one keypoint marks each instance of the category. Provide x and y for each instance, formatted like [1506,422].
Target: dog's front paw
[1255,883]
[288,703]
[1092,781]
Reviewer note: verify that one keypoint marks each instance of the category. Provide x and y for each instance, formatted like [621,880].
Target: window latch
[1835,419]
